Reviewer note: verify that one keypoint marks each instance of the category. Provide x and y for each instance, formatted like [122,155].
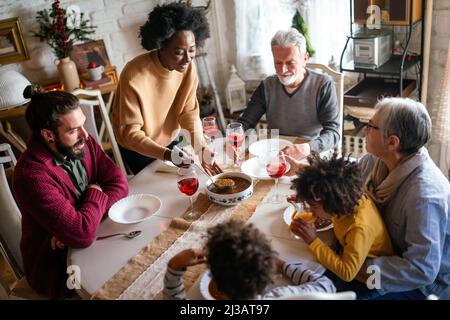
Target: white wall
[118,24]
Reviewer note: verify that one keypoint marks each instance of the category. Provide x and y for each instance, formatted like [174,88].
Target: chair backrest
[10,217]
[89,99]
[345,295]
[338,79]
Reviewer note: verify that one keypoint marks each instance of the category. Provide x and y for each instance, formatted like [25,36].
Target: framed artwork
[12,43]
[85,53]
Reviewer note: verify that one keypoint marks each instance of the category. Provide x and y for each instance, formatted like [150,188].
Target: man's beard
[287,80]
[69,151]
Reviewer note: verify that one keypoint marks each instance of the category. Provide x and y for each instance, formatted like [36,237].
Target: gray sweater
[311,111]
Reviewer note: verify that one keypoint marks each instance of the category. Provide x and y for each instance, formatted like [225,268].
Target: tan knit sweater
[152,103]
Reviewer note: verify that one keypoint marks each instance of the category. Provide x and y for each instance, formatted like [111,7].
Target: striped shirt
[303,280]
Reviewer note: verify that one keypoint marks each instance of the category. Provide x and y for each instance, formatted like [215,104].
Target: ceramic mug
[95,73]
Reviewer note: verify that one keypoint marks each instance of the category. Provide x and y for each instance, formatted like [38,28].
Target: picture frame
[13,47]
[93,51]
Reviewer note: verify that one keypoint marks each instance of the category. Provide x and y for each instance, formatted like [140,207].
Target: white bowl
[134,208]
[266,146]
[229,199]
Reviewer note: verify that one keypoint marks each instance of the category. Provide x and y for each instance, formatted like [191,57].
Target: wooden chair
[89,99]
[338,79]
[10,234]
[345,295]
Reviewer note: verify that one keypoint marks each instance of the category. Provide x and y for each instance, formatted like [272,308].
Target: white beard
[287,80]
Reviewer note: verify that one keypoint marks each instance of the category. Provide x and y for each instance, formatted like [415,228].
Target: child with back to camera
[333,189]
[242,263]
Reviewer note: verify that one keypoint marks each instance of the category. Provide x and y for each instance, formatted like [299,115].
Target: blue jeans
[364,293]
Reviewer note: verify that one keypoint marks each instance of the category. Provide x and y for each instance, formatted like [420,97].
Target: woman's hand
[208,162]
[186,258]
[303,229]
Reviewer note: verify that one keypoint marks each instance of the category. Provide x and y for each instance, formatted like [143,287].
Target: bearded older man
[297,100]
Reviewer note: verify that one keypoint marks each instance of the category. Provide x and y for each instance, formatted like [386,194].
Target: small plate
[134,208]
[204,285]
[205,280]
[265,146]
[255,169]
[287,217]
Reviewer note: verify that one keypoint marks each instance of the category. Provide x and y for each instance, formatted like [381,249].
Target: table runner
[142,277]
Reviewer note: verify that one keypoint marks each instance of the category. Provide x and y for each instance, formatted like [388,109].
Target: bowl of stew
[241,190]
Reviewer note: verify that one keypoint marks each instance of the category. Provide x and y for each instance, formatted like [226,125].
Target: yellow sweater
[152,103]
[360,235]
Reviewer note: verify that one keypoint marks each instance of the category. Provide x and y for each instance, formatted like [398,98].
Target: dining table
[122,268]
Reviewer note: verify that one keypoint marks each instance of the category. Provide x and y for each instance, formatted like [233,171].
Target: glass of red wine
[188,185]
[276,167]
[235,139]
[210,129]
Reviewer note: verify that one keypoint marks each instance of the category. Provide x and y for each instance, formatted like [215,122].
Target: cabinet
[393,12]
[396,66]
[387,79]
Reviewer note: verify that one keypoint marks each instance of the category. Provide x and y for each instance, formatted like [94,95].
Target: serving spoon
[129,235]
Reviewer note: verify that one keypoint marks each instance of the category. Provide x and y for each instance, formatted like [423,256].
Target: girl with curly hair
[156,94]
[333,189]
[242,263]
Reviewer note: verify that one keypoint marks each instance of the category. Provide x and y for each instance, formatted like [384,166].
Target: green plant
[58,33]
[299,23]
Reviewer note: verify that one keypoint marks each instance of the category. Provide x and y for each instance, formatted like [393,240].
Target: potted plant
[61,29]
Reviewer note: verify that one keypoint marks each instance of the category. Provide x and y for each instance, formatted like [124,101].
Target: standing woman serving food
[156,94]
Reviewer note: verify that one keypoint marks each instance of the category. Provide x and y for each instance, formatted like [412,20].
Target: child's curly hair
[164,21]
[240,258]
[337,182]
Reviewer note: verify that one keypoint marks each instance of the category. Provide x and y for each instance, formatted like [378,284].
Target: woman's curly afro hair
[240,258]
[164,21]
[337,182]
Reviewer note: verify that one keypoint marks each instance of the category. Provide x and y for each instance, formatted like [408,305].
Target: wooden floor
[6,274]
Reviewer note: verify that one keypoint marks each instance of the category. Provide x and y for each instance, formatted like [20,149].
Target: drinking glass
[188,185]
[235,139]
[210,129]
[276,167]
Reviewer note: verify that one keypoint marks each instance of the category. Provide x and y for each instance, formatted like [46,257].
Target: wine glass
[235,138]
[188,185]
[210,129]
[276,167]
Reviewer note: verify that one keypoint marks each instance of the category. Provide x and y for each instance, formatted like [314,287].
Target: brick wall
[118,24]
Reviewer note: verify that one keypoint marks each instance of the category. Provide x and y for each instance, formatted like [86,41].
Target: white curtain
[439,145]
[328,23]
[258,20]
[256,23]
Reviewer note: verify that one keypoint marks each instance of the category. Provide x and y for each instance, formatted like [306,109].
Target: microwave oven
[371,53]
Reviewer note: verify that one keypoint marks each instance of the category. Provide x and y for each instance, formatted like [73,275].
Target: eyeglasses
[371,126]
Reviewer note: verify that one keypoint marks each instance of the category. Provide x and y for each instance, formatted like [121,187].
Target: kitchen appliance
[370,52]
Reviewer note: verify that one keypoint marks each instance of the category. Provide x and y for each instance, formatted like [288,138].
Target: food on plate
[305,215]
[216,294]
[309,217]
[240,184]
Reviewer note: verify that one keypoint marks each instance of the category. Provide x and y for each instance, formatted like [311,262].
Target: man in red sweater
[64,185]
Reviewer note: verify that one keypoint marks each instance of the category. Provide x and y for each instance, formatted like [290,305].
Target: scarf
[381,185]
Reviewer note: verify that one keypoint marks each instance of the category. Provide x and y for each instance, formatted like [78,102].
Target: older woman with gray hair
[297,101]
[414,198]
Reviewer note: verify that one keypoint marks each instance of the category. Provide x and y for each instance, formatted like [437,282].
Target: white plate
[134,208]
[255,169]
[204,285]
[265,146]
[287,217]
